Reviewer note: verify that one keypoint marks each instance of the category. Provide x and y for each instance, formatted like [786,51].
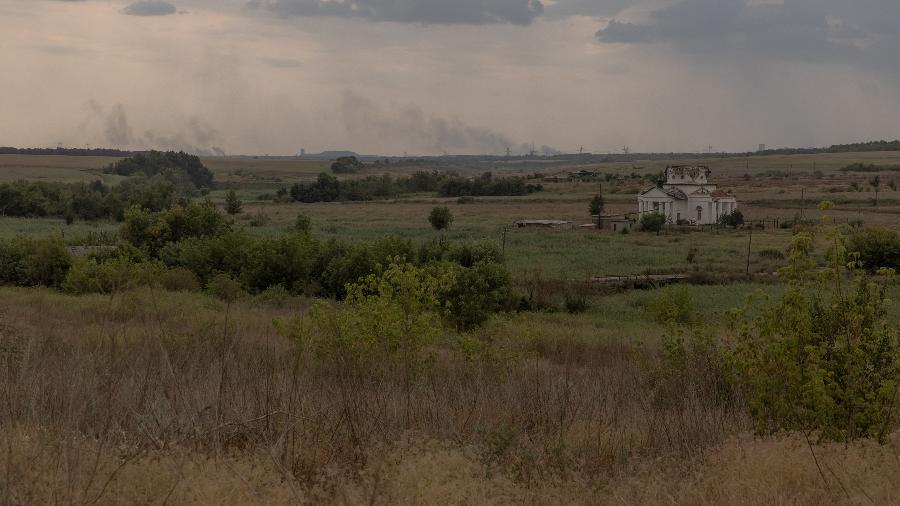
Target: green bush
[27,261]
[152,231]
[112,275]
[652,222]
[440,218]
[823,359]
[475,293]
[179,279]
[673,306]
[302,224]
[224,288]
[877,248]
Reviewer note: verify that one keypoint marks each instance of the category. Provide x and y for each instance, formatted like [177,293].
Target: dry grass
[155,397]
[95,386]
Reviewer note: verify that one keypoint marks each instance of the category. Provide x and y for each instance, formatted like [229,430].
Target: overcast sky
[448,76]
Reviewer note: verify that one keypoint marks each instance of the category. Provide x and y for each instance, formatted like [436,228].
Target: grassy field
[152,396]
[182,396]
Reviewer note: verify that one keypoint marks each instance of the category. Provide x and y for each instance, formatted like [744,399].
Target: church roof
[675,193]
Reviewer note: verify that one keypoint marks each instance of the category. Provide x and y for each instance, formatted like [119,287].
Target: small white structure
[686,196]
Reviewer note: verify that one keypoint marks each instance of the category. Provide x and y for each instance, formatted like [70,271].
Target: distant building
[616,223]
[583,175]
[544,224]
[687,196]
[558,178]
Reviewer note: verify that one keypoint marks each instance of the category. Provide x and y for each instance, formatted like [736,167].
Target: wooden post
[749,243]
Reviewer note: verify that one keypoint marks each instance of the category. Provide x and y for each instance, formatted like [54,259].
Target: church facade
[687,197]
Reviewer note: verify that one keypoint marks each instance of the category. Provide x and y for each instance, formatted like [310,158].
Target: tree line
[157,181]
[327,188]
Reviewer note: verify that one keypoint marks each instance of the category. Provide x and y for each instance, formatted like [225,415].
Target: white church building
[686,196]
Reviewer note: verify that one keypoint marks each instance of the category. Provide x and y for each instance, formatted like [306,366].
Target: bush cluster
[86,201]
[193,246]
[174,165]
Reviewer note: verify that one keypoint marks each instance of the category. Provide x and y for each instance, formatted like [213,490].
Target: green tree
[347,165]
[652,222]
[440,218]
[233,204]
[824,359]
[877,248]
[733,219]
[876,184]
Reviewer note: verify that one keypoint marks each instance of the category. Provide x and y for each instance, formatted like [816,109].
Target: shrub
[151,231]
[475,294]
[733,219]
[877,248]
[822,359]
[153,163]
[440,218]
[26,261]
[771,254]
[347,165]
[179,279]
[673,306]
[652,222]
[303,224]
[233,204]
[576,301]
[112,275]
[224,288]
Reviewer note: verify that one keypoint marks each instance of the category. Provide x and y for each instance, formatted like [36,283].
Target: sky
[448,76]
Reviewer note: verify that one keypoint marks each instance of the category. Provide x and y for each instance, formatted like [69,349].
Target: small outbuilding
[616,223]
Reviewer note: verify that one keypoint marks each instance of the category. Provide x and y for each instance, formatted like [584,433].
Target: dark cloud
[150,8]
[517,12]
[809,30]
[587,7]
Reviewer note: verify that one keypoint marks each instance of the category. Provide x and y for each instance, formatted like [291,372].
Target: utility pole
[802,201]
[749,243]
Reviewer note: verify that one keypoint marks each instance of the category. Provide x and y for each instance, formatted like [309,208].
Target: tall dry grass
[154,397]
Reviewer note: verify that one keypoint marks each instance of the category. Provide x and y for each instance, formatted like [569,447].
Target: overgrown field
[349,353]
[149,395]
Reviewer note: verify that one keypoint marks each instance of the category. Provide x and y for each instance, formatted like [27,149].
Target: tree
[825,358]
[652,222]
[440,218]
[233,204]
[876,248]
[347,165]
[303,224]
[733,219]
[596,207]
[876,183]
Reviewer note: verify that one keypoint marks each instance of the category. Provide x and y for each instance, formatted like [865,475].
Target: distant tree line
[159,181]
[65,151]
[327,188]
[862,167]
